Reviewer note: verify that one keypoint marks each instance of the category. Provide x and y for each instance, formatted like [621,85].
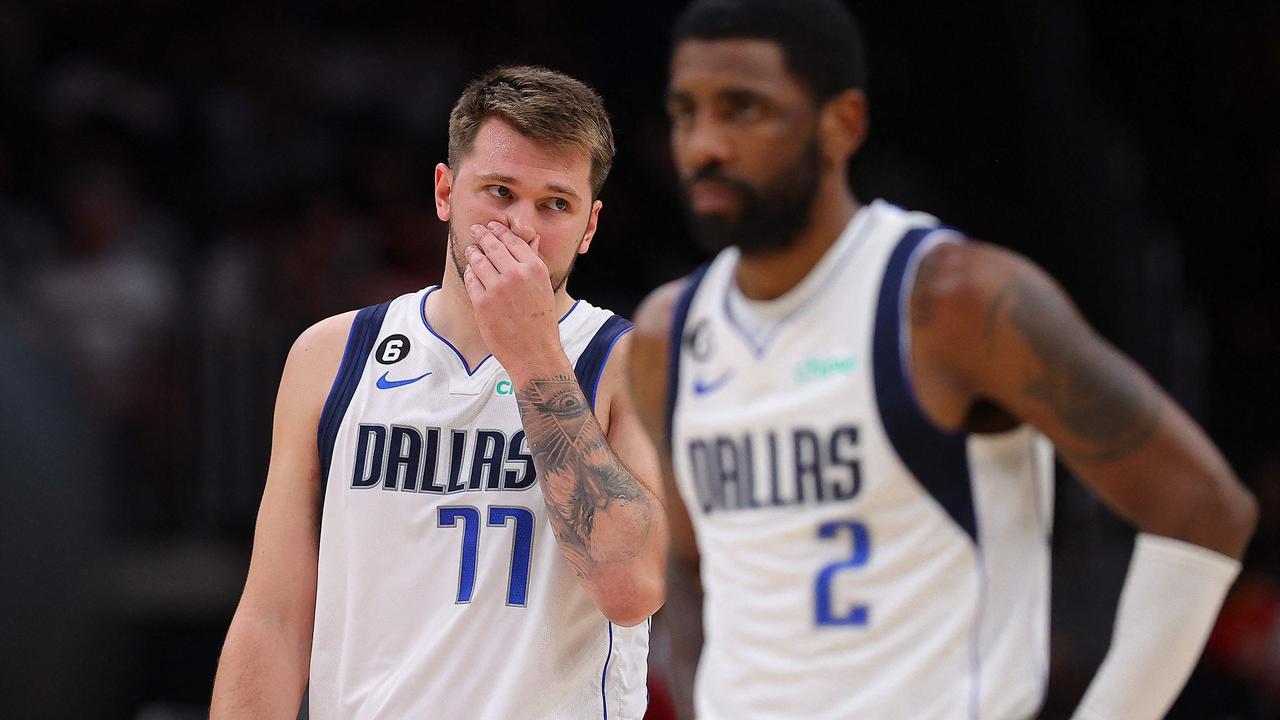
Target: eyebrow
[734,93]
[740,94]
[553,187]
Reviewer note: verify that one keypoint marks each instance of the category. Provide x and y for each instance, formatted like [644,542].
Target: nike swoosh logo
[701,388]
[385,384]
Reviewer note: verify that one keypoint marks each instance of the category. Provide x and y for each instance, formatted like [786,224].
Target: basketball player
[853,402]
[466,538]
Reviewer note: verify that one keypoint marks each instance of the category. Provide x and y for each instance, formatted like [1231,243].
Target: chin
[714,233]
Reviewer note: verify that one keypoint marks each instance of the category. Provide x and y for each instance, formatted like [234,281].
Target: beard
[771,215]
[460,264]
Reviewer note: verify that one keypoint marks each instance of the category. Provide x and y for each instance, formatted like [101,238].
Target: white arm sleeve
[1171,597]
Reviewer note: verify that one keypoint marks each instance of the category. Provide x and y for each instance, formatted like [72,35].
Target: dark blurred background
[186,186]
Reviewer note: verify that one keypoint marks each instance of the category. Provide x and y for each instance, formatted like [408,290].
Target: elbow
[631,600]
[1242,516]
[1226,518]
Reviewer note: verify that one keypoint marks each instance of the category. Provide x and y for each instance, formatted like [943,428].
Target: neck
[449,312]
[769,275]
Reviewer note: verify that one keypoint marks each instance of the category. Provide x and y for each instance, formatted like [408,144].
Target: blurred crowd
[184,187]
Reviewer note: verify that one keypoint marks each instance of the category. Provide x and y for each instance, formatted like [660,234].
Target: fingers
[519,248]
[505,250]
[472,284]
[493,248]
[480,267]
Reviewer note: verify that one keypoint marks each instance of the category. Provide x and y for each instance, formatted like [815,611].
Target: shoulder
[656,313]
[322,340]
[314,358]
[957,283]
[648,353]
[964,291]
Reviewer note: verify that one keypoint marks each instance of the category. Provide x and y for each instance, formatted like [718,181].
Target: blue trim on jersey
[676,340]
[360,340]
[590,366]
[938,459]
[422,312]
[604,698]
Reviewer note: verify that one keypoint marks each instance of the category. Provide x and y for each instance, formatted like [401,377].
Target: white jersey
[857,561]
[442,592]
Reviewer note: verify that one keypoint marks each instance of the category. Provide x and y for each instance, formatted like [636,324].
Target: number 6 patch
[392,350]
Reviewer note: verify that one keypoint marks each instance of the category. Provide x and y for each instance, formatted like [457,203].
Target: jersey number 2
[861,540]
[521,547]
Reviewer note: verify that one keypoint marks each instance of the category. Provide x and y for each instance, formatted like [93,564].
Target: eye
[499,191]
[680,113]
[558,204]
[745,110]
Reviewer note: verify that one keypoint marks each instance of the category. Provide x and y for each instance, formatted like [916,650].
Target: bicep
[1046,365]
[1120,433]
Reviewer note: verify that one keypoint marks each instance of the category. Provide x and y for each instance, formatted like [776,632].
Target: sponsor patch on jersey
[504,388]
[814,369]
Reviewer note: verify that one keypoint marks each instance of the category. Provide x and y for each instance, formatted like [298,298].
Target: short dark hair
[543,105]
[820,39]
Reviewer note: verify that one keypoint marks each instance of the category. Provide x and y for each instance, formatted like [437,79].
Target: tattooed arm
[990,328]
[991,331]
[597,487]
[608,522]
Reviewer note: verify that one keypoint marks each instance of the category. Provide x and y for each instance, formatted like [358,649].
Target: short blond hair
[543,105]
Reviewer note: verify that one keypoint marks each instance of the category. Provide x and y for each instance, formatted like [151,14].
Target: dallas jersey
[441,589]
[857,561]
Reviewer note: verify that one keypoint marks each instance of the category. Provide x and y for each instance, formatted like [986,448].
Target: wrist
[1171,597]
[531,366]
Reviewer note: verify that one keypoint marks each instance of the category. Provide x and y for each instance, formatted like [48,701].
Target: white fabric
[392,638]
[954,628]
[1171,597]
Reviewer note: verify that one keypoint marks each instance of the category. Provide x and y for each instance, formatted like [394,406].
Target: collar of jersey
[758,322]
[422,312]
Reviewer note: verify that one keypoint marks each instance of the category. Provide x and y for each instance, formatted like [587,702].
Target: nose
[521,219]
[703,143]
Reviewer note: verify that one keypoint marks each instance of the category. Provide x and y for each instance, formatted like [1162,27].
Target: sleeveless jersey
[857,561]
[441,591]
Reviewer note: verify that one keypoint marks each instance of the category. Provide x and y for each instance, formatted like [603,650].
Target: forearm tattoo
[1092,389]
[585,486]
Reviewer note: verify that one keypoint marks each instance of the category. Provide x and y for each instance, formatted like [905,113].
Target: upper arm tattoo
[1091,389]
[581,478]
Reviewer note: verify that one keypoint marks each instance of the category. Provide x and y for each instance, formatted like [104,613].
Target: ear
[444,191]
[592,224]
[844,125]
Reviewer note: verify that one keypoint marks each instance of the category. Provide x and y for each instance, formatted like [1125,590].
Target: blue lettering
[432,455]
[368,467]
[726,456]
[700,460]
[456,446]
[518,451]
[406,453]
[807,463]
[486,461]
[844,451]
[774,481]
